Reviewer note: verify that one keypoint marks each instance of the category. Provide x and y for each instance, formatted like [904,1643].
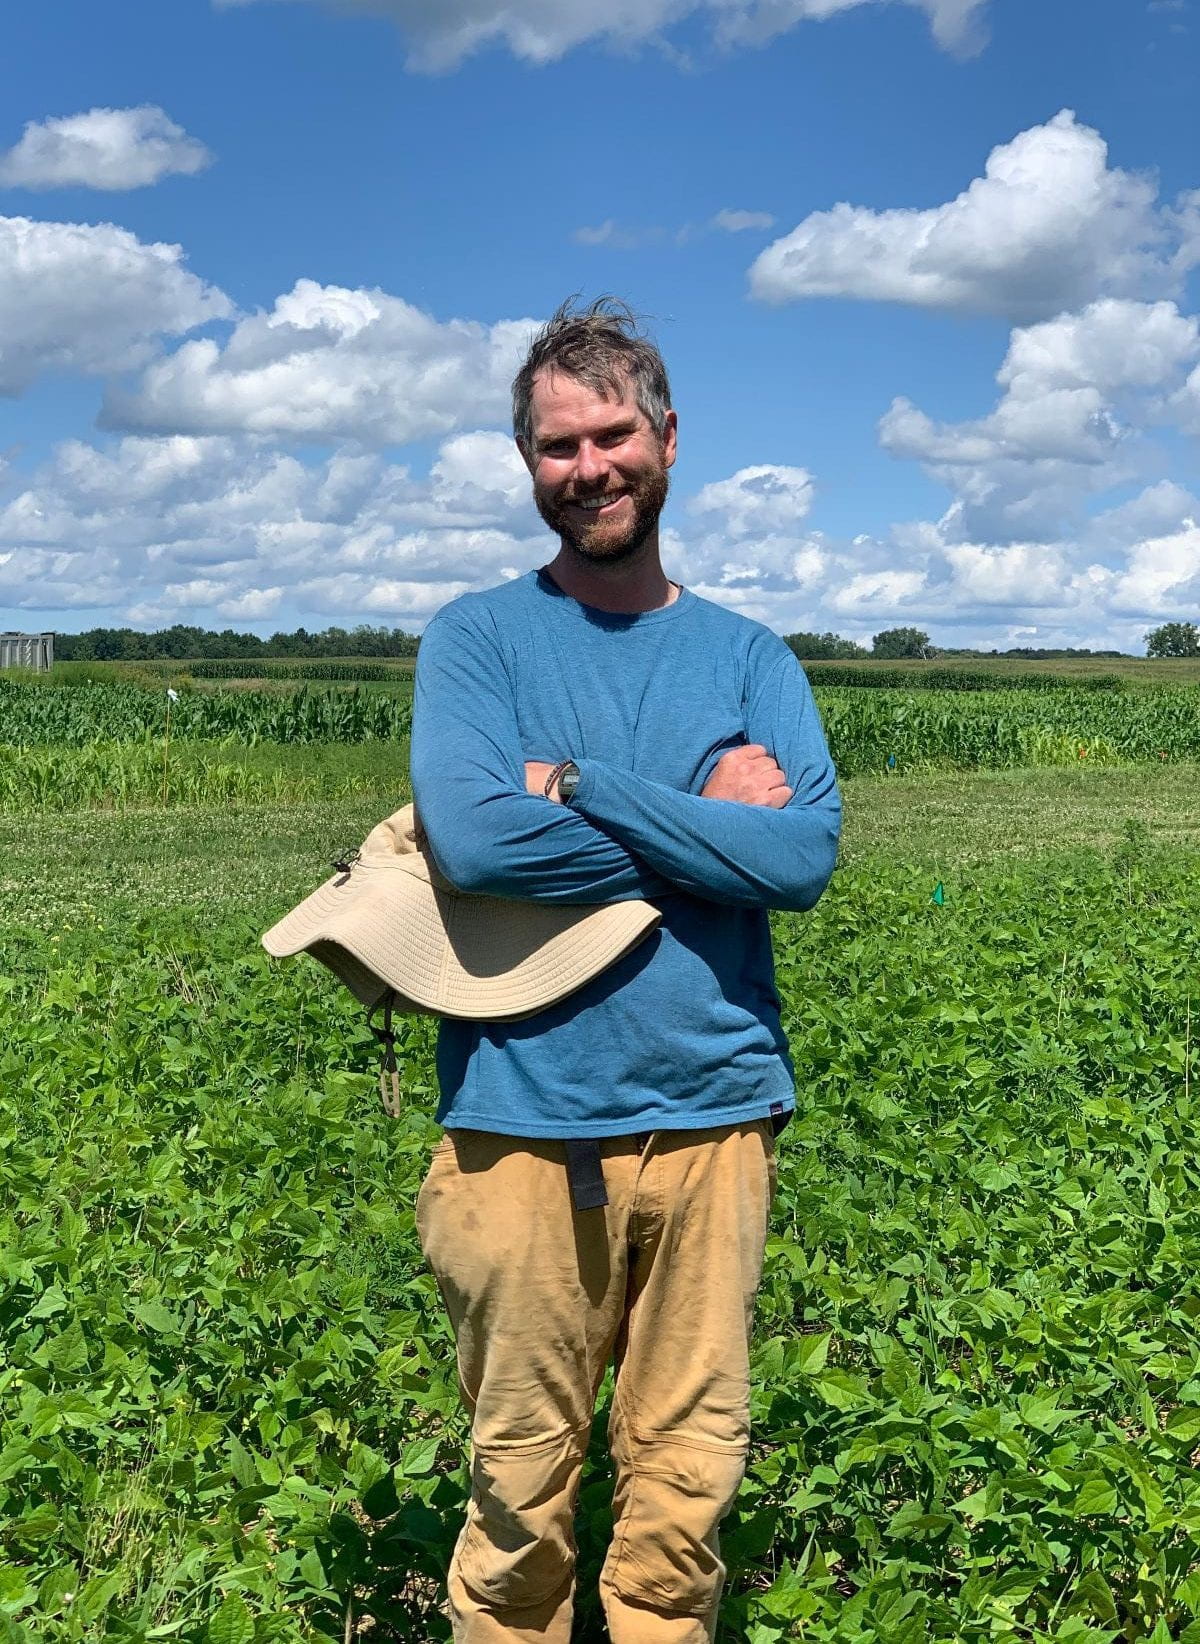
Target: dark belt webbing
[585,1174]
[389,1073]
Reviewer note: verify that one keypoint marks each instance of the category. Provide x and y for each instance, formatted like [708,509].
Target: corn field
[939,678]
[104,745]
[36,715]
[106,775]
[372,673]
[993,730]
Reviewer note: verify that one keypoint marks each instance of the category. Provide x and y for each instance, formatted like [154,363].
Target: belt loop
[585,1174]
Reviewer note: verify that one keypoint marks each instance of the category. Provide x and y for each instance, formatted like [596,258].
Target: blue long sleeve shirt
[684,1031]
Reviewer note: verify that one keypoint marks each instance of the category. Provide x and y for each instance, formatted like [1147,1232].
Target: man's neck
[634,585]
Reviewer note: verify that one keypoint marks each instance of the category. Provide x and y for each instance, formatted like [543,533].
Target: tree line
[182,643]
[897,644]
[1172,639]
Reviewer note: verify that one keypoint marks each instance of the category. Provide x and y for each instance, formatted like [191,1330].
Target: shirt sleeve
[746,855]
[489,835]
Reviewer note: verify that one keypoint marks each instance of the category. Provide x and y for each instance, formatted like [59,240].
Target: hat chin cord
[389,1073]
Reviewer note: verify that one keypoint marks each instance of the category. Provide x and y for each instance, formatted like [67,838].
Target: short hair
[602,345]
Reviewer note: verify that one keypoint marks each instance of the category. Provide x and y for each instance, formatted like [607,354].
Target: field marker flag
[172,696]
[939,895]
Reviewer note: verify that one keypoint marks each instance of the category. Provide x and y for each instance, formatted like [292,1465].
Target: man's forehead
[560,398]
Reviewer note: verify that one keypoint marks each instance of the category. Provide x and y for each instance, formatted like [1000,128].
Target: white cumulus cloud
[1161,577]
[1049,226]
[90,298]
[330,363]
[1079,392]
[441,33]
[106,148]
[762,499]
[220,528]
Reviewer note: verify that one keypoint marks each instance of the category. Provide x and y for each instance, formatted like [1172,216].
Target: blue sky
[924,274]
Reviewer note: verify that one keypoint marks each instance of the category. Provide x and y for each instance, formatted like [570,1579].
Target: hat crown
[400,834]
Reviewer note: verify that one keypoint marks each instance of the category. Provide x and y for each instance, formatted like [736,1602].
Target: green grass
[229,858]
[951,819]
[88,867]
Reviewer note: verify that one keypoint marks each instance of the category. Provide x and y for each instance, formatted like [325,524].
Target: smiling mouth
[598,505]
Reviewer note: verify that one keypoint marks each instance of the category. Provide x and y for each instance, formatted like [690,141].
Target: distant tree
[1174,639]
[824,647]
[182,643]
[893,643]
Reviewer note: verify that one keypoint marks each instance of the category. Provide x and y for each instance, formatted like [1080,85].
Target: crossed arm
[747,775]
[754,836]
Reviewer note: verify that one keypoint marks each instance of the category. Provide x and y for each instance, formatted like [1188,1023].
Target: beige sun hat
[391,923]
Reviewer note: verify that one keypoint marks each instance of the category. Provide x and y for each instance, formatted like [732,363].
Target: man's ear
[670,438]
[526,453]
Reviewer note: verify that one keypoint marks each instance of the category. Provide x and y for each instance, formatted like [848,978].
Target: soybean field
[226,1384]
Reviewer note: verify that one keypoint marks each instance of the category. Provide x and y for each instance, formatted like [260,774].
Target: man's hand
[536,774]
[750,777]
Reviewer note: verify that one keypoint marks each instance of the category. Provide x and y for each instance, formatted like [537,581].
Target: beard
[605,543]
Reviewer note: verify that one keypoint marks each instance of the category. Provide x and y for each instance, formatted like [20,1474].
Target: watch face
[568,781]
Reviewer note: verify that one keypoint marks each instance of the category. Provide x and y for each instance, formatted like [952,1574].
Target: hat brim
[480,958]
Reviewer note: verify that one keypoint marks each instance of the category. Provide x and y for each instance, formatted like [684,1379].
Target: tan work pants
[540,1296]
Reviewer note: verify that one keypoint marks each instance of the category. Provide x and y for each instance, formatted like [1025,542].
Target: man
[586,733]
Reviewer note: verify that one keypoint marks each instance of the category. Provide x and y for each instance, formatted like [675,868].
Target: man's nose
[591,463]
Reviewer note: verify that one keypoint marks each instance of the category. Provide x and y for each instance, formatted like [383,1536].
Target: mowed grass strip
[956,819]
[232,857]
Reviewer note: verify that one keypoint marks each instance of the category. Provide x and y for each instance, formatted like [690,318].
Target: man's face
[599,469]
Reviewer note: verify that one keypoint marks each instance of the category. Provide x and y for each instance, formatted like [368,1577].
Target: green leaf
[313,1570]
[1096,1496]
[68,1351]
[841,1390]
[52,1300]
[911,1519]
[232,1623]
[1042,1411]
[811,1353]
[419,1458]
[1184,1423]
[156,1317]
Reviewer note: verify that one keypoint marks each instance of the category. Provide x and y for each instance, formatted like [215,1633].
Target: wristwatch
[568,781]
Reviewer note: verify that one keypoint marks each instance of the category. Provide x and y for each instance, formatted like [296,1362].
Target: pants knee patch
[518,1544]
[666,1552]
